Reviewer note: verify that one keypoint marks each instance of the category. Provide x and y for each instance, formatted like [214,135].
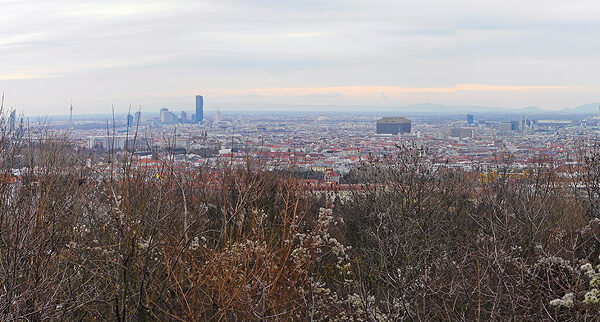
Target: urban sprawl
[331,144]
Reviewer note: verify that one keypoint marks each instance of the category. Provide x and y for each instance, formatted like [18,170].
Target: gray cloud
[103,52]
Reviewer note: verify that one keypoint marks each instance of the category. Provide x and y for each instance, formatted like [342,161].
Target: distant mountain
[414,109]
[583,109]
[532,110]
[423,108]
[430,108]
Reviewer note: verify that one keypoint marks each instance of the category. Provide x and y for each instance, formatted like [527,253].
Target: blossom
[592,296]
[566,300]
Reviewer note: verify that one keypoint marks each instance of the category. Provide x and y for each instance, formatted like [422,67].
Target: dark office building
[199,109]
[393,125]
[514,126]
[469,118]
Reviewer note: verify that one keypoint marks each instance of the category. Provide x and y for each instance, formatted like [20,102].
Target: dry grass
[243,243]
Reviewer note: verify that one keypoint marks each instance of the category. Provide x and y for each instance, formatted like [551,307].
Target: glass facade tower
[199,108]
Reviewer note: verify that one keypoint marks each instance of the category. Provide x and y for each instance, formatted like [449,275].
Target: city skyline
[382,53]
[199,115]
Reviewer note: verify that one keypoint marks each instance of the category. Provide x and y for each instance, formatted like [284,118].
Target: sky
[248,54]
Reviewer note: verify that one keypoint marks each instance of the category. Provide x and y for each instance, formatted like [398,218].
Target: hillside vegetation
[243,243]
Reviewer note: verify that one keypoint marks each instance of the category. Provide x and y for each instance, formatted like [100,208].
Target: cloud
[107,9]
[505,88]
[339,51]
[18,76]
[359,92]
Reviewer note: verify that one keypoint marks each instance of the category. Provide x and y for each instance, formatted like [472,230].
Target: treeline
[243,243]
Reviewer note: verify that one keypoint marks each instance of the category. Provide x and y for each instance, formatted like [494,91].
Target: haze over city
[277,54]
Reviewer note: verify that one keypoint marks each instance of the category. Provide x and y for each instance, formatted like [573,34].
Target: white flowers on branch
[592,296]
[566,300]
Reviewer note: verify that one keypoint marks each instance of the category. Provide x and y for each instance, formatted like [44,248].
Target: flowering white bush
[592,296]
[566,300]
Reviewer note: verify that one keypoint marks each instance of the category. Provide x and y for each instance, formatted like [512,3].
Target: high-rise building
[469,118]
[393,125]
[138,118]
[462,133]
[170,117]
[515,126]
[163,113]
[183,117]
[199,109]
[504,126]
[71,115]
[130,120]
[166,116]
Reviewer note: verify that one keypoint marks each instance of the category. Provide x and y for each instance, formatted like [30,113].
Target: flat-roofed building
[393,125]
[462,133]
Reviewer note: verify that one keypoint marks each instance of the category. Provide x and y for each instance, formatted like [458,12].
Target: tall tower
[163,114]
[469,118]
[129,120]
[199,108]
[71,115]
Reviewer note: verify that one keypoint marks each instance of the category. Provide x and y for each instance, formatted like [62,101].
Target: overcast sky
[308,52]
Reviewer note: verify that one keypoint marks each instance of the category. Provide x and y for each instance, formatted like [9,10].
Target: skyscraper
[163,114]
[199,108]
[469,118]
[167,116]
[515,126]
[129,120]
[71,115]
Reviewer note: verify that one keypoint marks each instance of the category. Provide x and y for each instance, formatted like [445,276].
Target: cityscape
[382,160]
[332,144]
[545,164]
